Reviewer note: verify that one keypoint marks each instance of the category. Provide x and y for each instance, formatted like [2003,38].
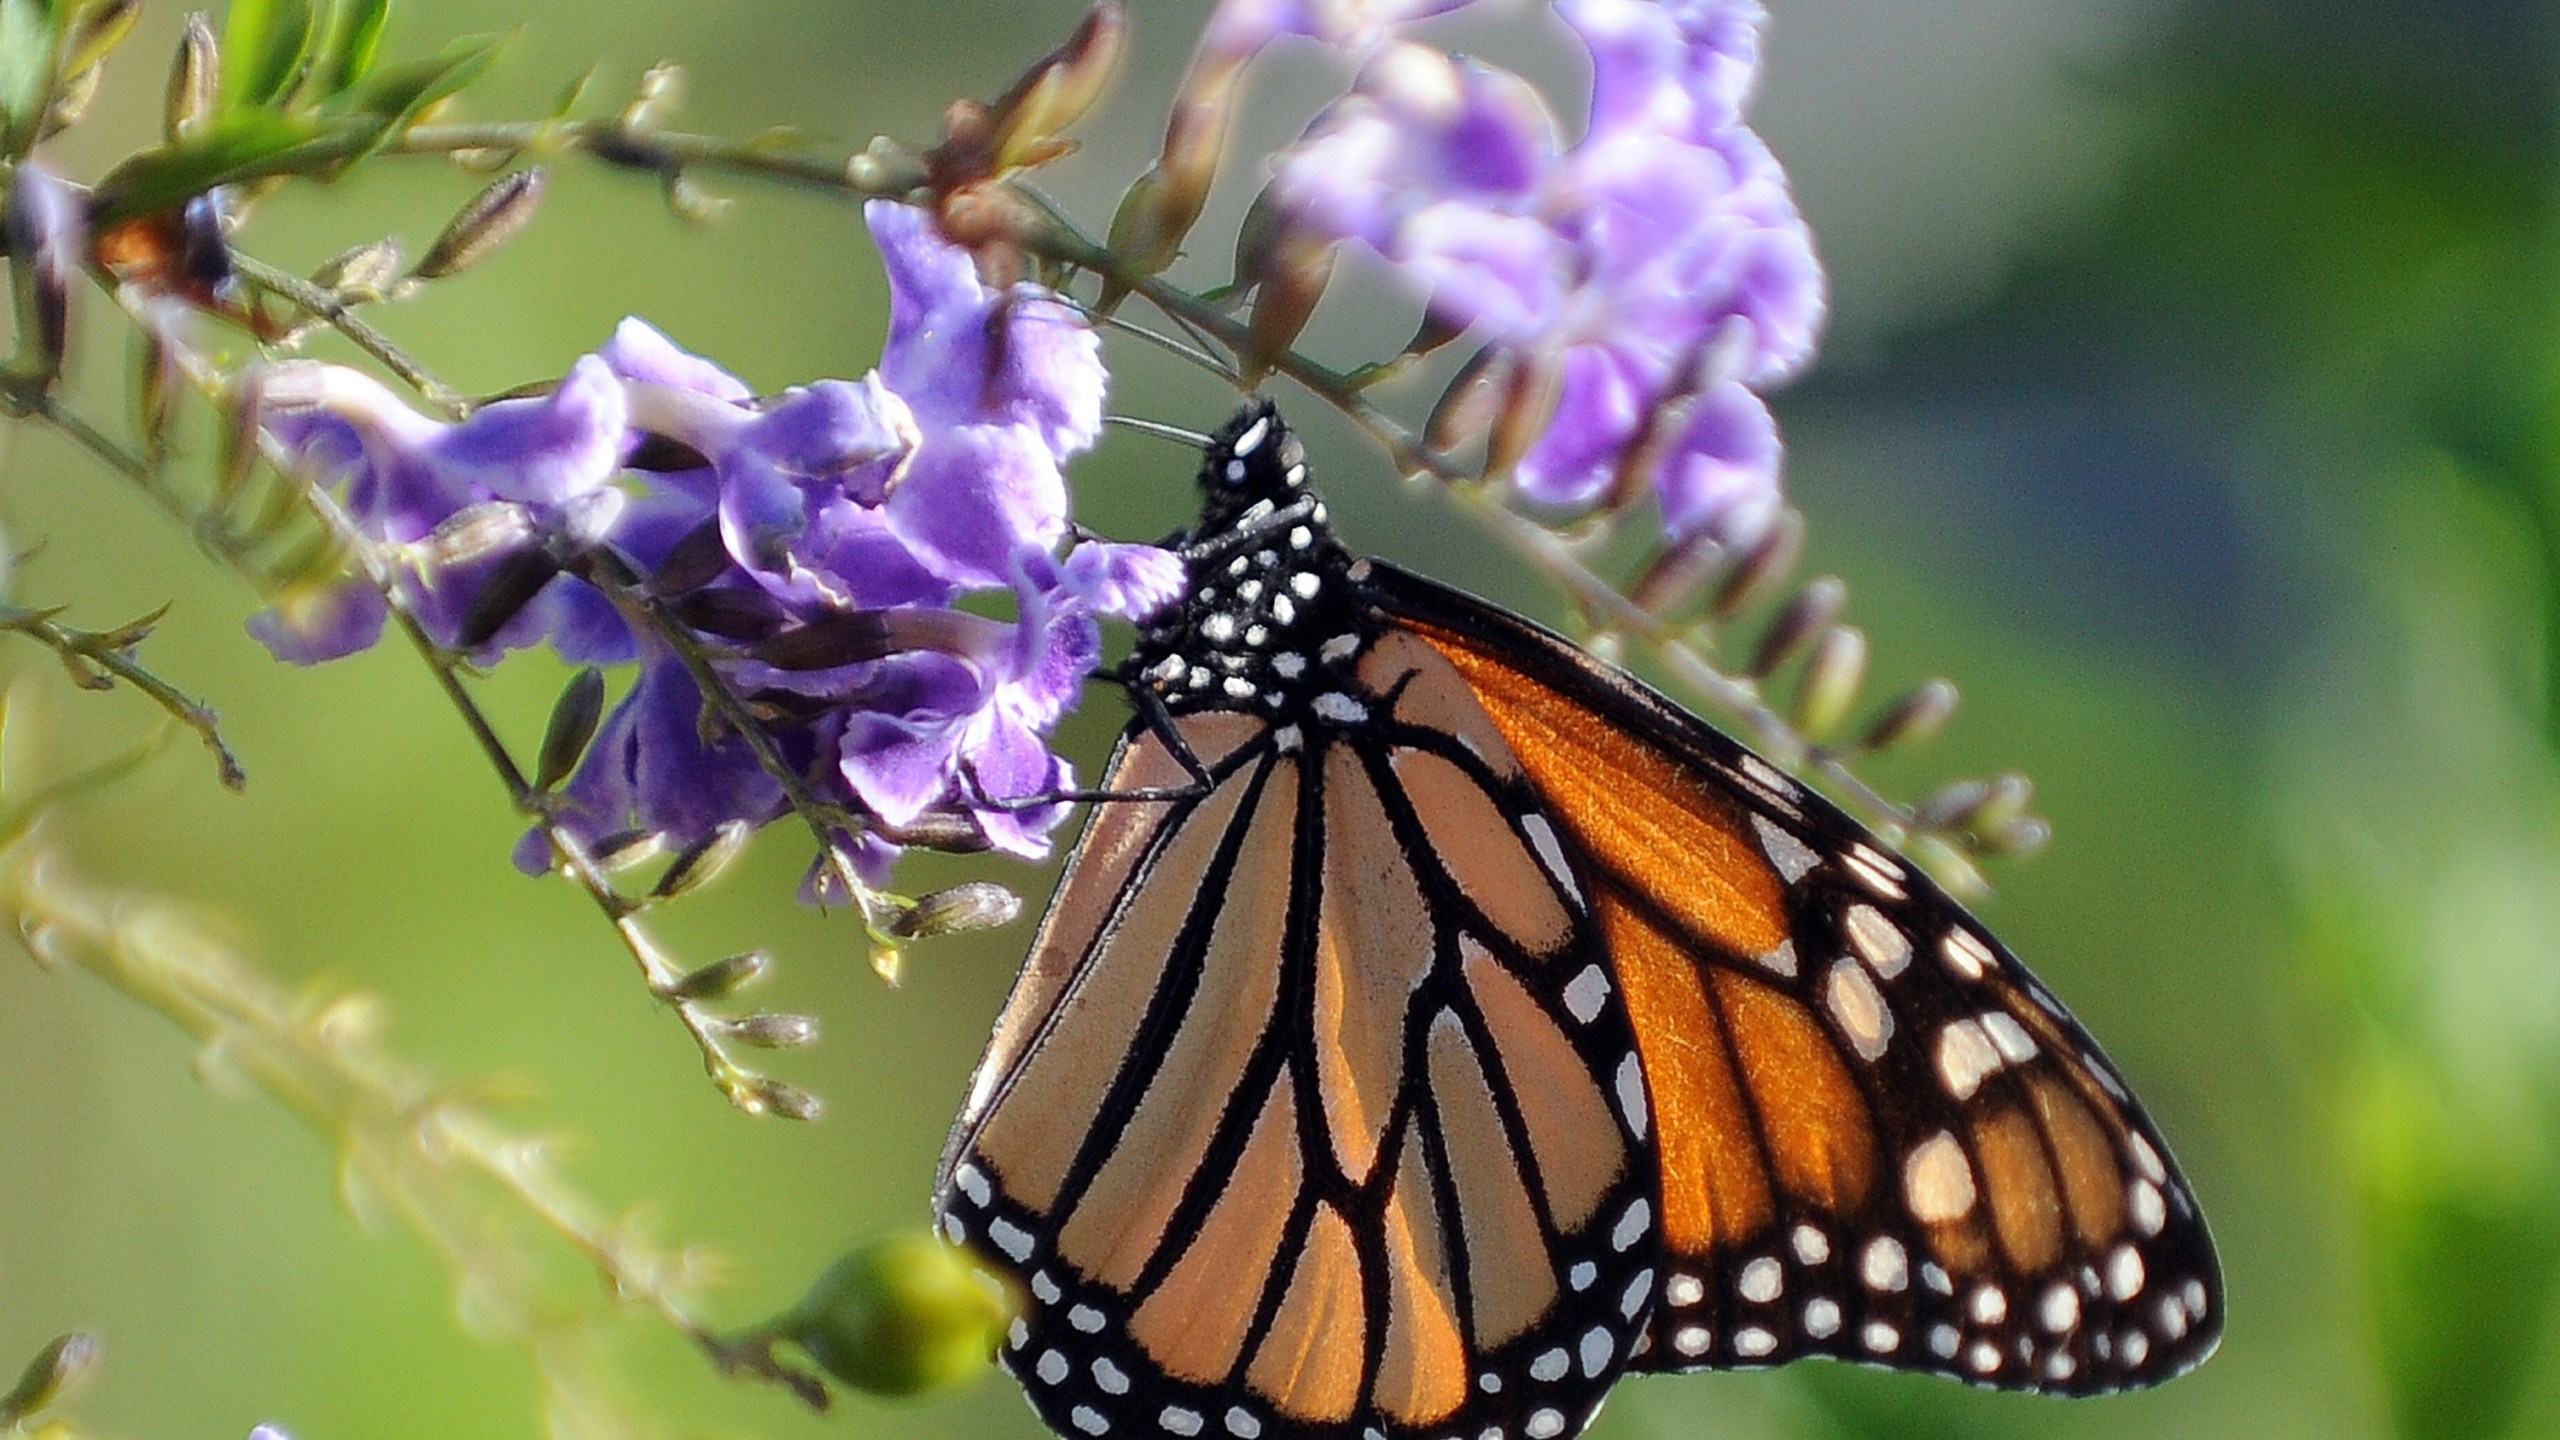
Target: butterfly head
[1252,467]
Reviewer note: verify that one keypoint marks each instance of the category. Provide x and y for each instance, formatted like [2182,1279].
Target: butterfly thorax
[1269,619]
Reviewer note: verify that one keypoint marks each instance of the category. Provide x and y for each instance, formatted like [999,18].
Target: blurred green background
[2192,397]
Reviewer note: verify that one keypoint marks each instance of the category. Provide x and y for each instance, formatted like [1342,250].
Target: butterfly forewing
[1881,1138]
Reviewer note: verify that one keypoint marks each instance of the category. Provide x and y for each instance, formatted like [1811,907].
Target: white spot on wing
[1597,1346]
[1792,856]
[1691,1339]
[1550,1366]
[1822,1318]
[2060,1308]
[1812,1246]
[1340,708]
[1880,1338]
[1783,959]
[1178,1421]
[1112,1379]
[1858,1009]
[1544,1425]
[1761,1281]
[1632,1225]
[1885,1265]
[1010,1238]
[973,1183]
[1088,1420]
[1586,993]
[1965,1058]
[1875,871]
[1631,1094]
[1937,1183]
[2008,1037]
[1542,839]
[1965,954]
[1877,940]
[1684,1290]
[1752,1342]
[1253,435]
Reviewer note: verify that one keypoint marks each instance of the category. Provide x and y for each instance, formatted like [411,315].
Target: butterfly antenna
[1192,438]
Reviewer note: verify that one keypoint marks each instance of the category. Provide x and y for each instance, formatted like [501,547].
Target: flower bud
[574,718]
[1465,412]
[1949,806]
[1813,609]
[1832,677]
[772,1030]
[504,595]
[974,905]
[195,80]
[491,219]
[767,1096]
[1768,561]
[723,977]
[1915,717]
[704,860]
[51,1375]
[1025,122]
[365,271]
[902,1315]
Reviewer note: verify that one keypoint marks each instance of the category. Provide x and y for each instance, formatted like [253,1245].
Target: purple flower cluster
[1658,266]
[817,543]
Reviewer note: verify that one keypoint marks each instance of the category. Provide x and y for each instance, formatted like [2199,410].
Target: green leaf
[26,69]
[399,93]
[242,146]
[355,42]
[264,46]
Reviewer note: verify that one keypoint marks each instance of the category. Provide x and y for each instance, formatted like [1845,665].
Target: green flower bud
[902,1315]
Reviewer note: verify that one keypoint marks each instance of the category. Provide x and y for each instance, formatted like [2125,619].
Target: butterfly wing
[1298,1123]
[1881,1138]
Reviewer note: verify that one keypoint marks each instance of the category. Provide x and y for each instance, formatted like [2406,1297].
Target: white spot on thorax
[1237,686]
[1284,610]
[1340,647]
[1235,470]
[1288,740]
[1306,583]
[1218,629]
[1301,537]
[1253,435]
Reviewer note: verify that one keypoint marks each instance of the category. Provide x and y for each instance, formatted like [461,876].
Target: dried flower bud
[101,29]
[1676,575]
[1832,677]
[70,101]
[364,271]
[767,1096]
[574,718]
[1916,717]
[703,861]
[659,88]
[723,977]
[195,80]
[2008,800]
[51,1375]
[626,850]
[491,219]
[693,204]
[1768,561]
[975,905]
[901,1315]
[2018,837]
[1950,806]
[1465,412]
[1057,90]
[474,532]
[772,1030]
[1528,407]
[1290,284]
[701,557]
[1813,609]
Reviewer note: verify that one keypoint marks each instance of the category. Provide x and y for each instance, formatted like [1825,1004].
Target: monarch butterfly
[1457,1024]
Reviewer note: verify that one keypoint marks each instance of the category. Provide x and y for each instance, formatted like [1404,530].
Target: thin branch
[406,1140]
[323,304]
[112,652]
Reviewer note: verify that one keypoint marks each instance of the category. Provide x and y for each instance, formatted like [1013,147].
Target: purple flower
[811,546]
[1659,265]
